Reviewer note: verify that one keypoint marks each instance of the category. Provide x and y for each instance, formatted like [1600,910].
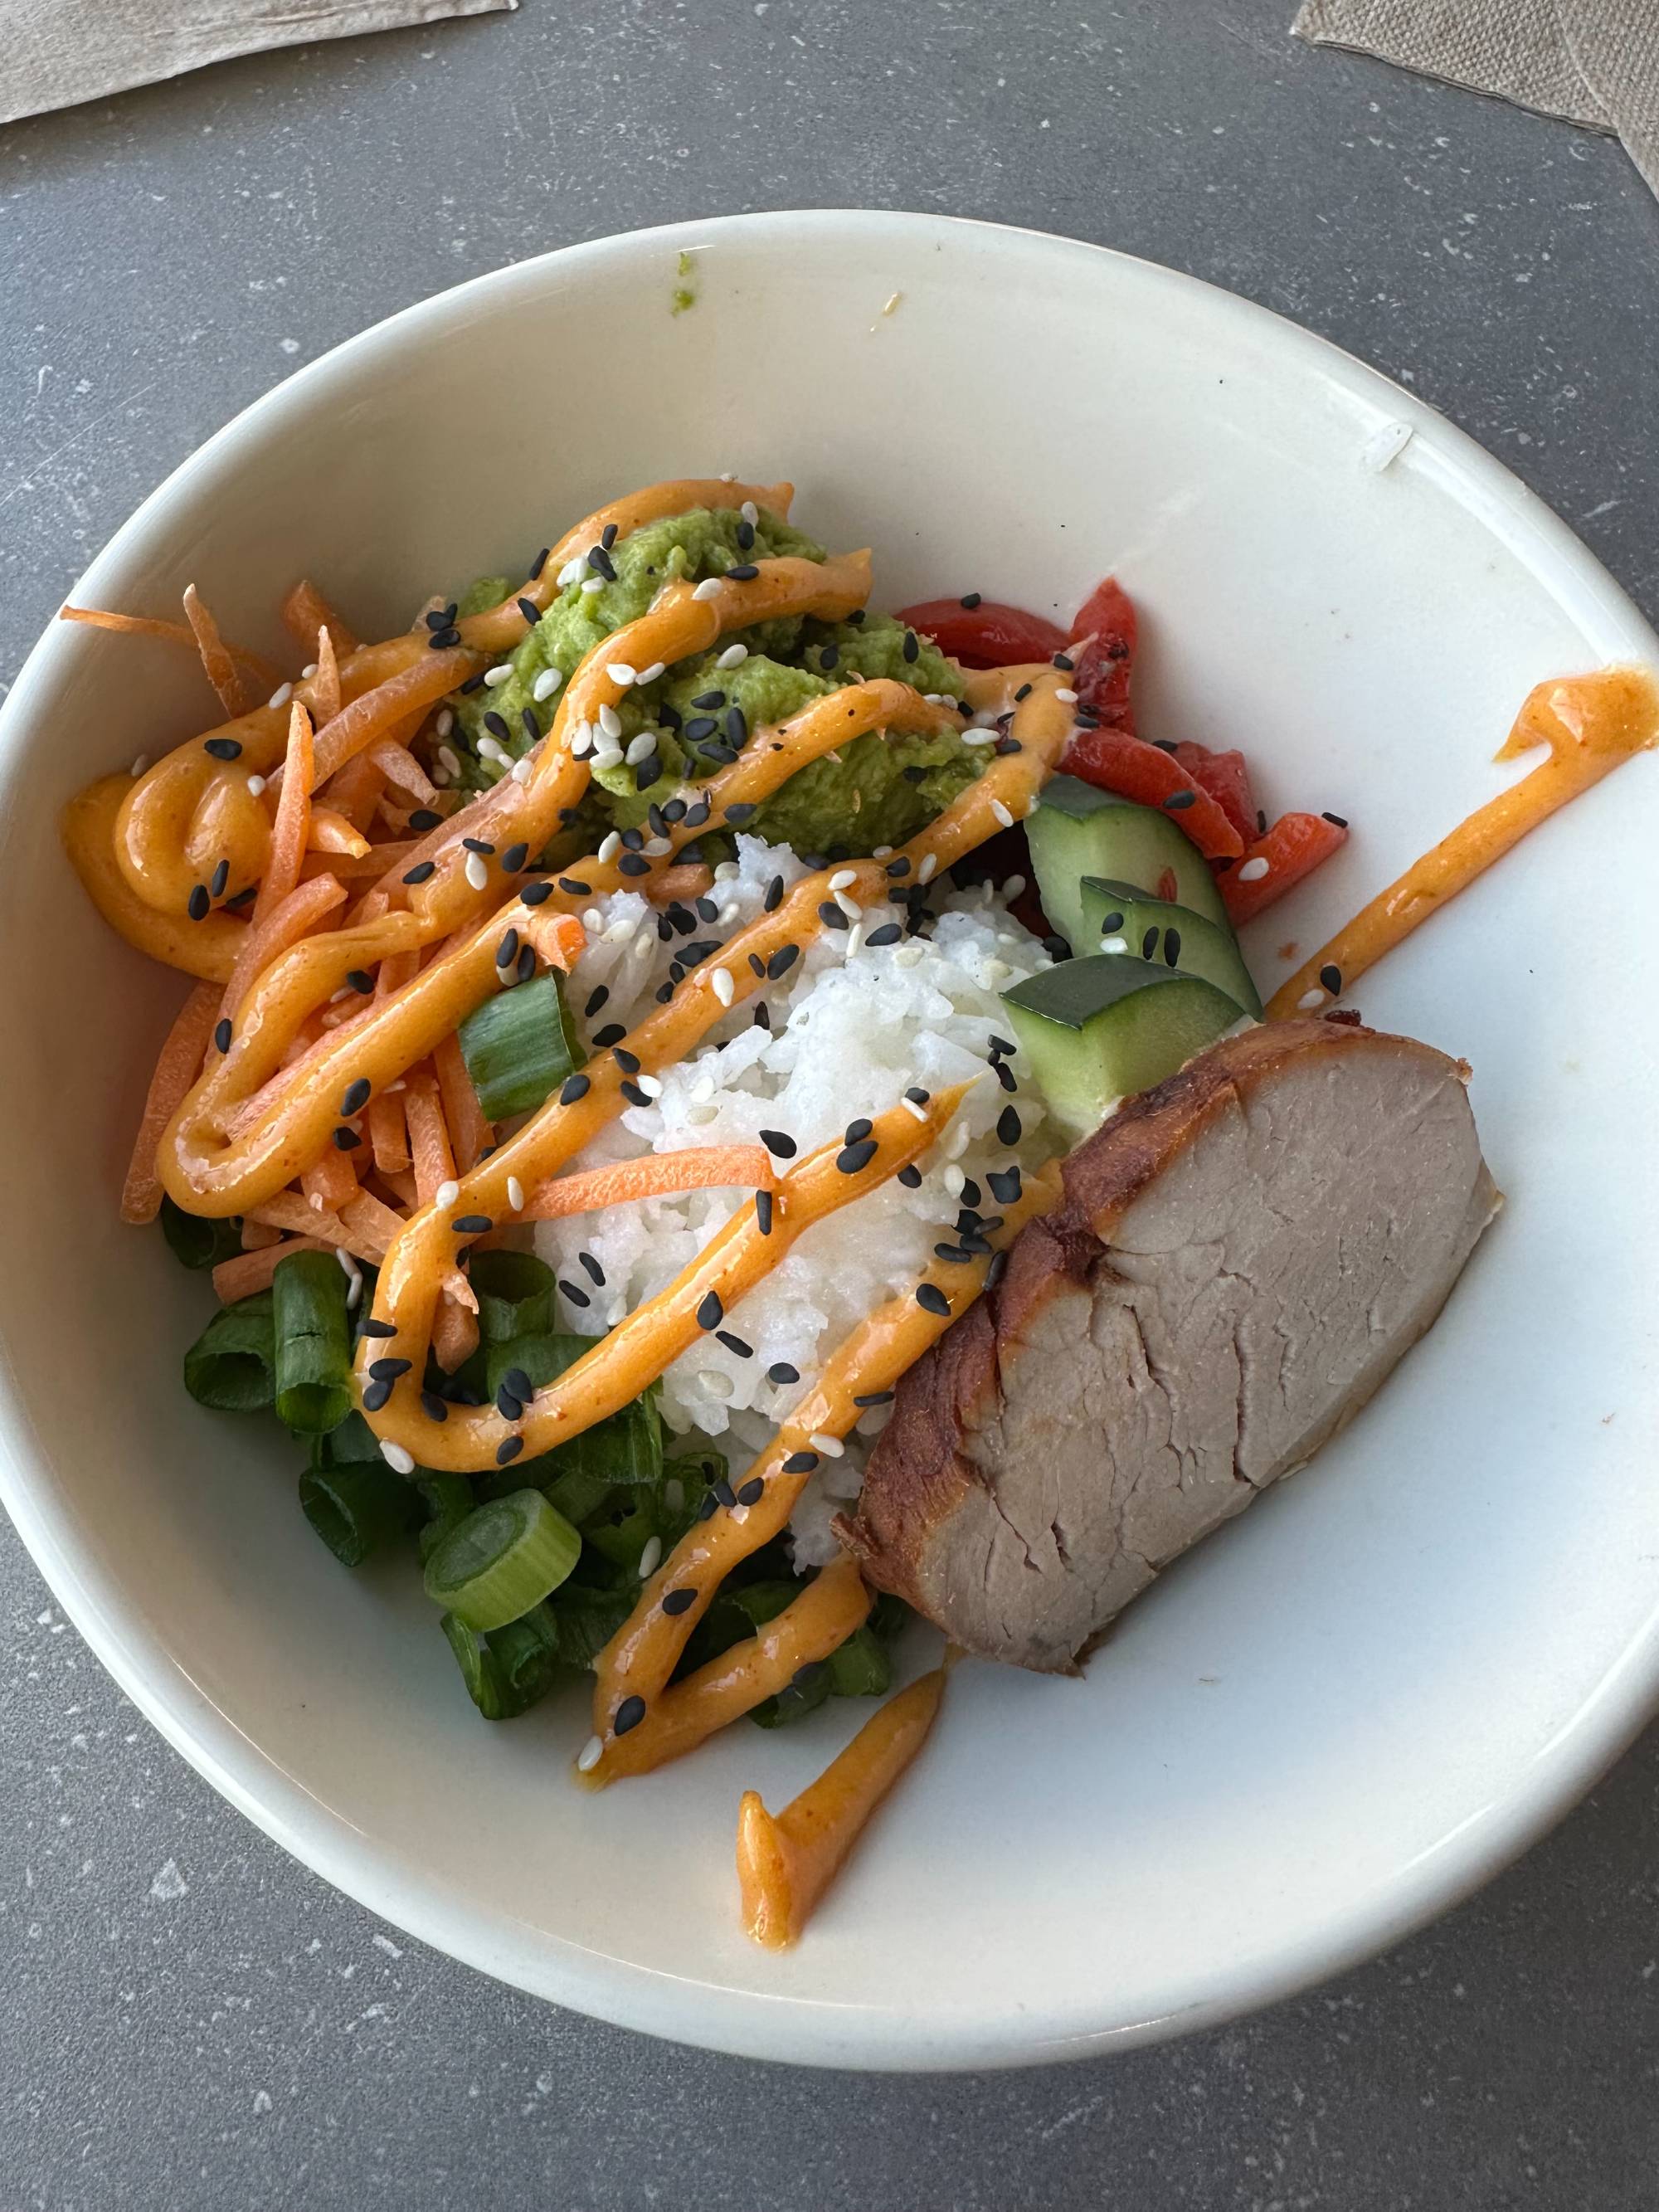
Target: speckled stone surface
[189,2021]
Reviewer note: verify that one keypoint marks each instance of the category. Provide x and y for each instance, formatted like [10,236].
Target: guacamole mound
[878,792]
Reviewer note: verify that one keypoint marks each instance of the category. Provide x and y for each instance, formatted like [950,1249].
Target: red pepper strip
[1105,636]
[1227,780]
[990,635]
[1292,849]
[1136,770]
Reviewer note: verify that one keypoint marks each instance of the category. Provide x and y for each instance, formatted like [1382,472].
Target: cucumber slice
[1117,918]
[1077,831]
[1100,1029]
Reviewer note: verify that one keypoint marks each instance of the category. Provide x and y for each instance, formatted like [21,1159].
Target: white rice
[849,1035]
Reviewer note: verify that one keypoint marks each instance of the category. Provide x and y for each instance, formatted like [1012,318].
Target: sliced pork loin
[1240,1257]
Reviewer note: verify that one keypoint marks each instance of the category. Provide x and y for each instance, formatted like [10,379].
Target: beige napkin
[54,52]
[1594,62]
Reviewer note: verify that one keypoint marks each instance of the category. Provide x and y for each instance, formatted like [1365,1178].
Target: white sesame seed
[346,991]
[447,1193]
[843,879]
[733,656]
[609,846]
[643,946]
[726,915]
[398,1085]
[589,1755]
[855,939]
[1114,944]
[522,771]
[1253,871]
[574,568]
[708,589]
[936,698]
[1309,999]
[907,955]
[724,989]
[651,1085]
[280,695]
[583,743]
[700,1116]
[593,921]
[739,1514]
[750,513]
[140,765]
[717,1385]
[1068,696]
[590,584]
[622,931]
[449,760]
[702,1087]
[650,1558]
[445,721]
[309,672]
[919,1112]
[654,847]
[1002,814]
[832,1447]
[929,863]
[956,1143]
[620,672]
[395,1457]
[978,737]
[515,1194]
[881,852]
[490,750]
[610,721]
[954,1180]
[650,675]
[546,684]
[1013,888]
[498,674]
[728,476]
[476,874]
[255,784]
[848,905]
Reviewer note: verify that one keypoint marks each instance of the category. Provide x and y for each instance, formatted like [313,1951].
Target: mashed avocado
[879,792]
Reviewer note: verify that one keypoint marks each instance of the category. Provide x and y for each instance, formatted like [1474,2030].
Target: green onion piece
[355,1509]
[479,1668]
[736,1610]
[588,1618]
[542,1354]
[313,1343]
[526,1655]
[503,1559]
[860,1667]
[196,1242]
[232,1365]
[354,1443]
[810,1689]
[520,1046]
[514,1291]
[448,1499]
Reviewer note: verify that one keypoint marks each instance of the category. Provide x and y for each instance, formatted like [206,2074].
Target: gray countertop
[188,2020]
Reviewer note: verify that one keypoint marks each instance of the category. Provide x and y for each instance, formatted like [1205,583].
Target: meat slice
[1240,1257]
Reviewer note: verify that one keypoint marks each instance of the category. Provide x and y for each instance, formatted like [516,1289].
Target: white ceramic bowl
[1335,1717]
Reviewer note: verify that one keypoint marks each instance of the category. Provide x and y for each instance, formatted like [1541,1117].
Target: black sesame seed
[648,771]
[874,1398]
[356,1097]
[421,870]
[674,811]
[774,895]
[480,844]
[222,1033]
[539,563]
[531,612]
[888,933]
[596,999]
[911,1177]
[997,1270]
[575,1292]
[1340,820]
[1003,746]
[572,1088]
[375,1395]
[508,950]
[781,1371]
[744,573]
[472,1225]
[999,1045]
[737,725]
[442,618]
[198,903]
[1178,801]
[912,645]
[740,813]
[388,1371]
[515,857]
[953,1253]
[1331,976]
[723,1491]
[680,918]
[220,878]
[734,1343]
[1005,1185]
[800,1463]
[705,1510]
[573,886]
[434,1407]
[780,1147]
[763,1016]
[633,864]
[372,1328]
[745,534]
[832,917]
[510,1408]
[699,727]
[608,535]
[857,617]
[917,1096]
[970,1192]
[631,1712]
[710,1311]
[508,1450]
[612,1033]
[709,699]
[679,1600]
[696,816]
[783,960]
[932,1299]
[441,639]
[516,1381]
[628,1062]
[592,1268]
[600,561]
[535,894]
[473,683]
[1056,948]
[852,1158]
[1005,1075]
[424,818]
[346,1141]
[763,1212]
[970,601]
[1172,948]
[914,774]
[360,979]
[856,1131]
[752,1491]
[1008,1126]
[223,748]
[663,994]
[634,1095]
[1062,660]
[526,964]
[496,725]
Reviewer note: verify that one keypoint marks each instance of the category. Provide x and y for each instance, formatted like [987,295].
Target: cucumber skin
[1077,831]
[1204,950]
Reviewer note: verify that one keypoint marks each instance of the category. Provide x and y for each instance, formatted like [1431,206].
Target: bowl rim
[391,1883]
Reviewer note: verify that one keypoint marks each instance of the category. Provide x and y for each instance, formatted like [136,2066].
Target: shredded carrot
[558,938]
[332,1179]
[687,881]
[325,684]
[173,633]
[356,868]
[177,1066]
[400,1181]
[469,1132]
[295,917]
[256,1235]
[388,1131]
[429,1137]
[288,836]
[376,713]
[454,1334]
[305,612]
[295,1213]
[375,1225]
[355,792]
[659,1175]
[222,673]
[398,765]
[330,832]
[251,1271]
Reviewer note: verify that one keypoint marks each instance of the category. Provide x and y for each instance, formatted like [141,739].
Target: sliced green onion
[503,1559]
[354,1443]
[625,1449]
[588,1618]
[196,1242]
[313,1343]
[514,1291]
[527,1653]
[232,1365]
[736,1610]
[541,1355]
[448,1499]
[860,1667]
[580,1497]
[357,1508]
[479,1669]
[520,1046]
